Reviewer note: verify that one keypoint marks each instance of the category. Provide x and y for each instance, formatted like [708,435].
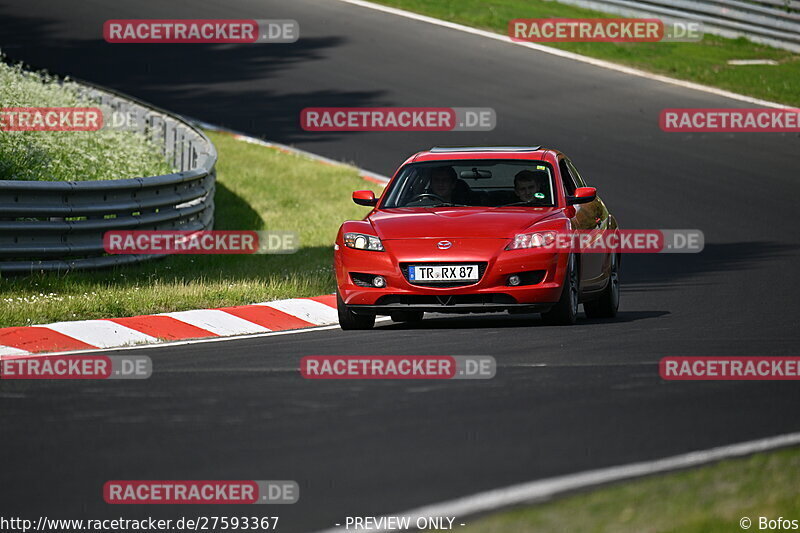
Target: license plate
[443,273]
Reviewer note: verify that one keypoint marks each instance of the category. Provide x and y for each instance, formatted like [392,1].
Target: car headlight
[359,241]
[532,240]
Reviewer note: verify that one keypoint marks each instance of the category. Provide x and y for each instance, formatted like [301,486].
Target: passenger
[528,182]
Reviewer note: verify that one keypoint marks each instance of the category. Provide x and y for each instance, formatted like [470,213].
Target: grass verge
[704,62]
[257,189]
[67,155]
[711,499]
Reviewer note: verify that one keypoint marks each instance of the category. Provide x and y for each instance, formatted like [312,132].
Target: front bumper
[490,293]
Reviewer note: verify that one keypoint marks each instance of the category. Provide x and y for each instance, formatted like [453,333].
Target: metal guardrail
[785,5]
[771,22]
[59,226]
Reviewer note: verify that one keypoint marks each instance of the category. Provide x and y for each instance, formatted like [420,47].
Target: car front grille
[481,270]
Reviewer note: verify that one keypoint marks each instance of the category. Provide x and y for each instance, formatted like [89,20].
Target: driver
[528,182]
[442,185]
[443,182]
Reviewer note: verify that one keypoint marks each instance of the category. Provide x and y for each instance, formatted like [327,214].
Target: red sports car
[462,230]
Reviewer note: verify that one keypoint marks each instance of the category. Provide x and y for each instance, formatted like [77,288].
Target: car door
[588,217]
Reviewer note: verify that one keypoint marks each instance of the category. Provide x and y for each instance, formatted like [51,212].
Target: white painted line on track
[568,55]
[545,489]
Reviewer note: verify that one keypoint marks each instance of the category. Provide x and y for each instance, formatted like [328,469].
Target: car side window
[594,209]
[575,174]
[566,177]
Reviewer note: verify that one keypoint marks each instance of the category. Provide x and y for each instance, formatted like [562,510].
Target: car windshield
[492,183]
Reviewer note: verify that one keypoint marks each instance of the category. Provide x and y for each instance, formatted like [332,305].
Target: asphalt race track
[565,399]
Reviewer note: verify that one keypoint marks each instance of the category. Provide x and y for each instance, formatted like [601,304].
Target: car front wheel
[350,320]
[565,312]
[606,306]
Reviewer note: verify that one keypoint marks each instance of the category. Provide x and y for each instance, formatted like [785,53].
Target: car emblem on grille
[444,245]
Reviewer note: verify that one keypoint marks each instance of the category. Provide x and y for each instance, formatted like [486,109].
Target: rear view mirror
[475,174]
[365,198]
[583,195]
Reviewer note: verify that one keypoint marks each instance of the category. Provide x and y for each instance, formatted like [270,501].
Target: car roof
[444,153]
[449,149]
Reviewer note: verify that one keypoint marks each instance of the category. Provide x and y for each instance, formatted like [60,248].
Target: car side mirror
[583,195]
[365,198]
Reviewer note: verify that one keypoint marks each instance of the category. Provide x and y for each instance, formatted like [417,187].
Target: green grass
[711,499]
[257,189]
[704,62]
[67,155]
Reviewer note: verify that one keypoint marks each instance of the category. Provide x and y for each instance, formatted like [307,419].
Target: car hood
[456,222]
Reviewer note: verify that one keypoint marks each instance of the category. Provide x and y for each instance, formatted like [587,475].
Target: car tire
[407,316]
[350,320]
[606,306]
[565,312]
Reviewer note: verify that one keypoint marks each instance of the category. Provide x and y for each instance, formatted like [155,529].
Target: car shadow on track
[640,273]
[663,271]
[503,320]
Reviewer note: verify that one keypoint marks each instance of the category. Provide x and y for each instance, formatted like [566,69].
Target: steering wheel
[428,195]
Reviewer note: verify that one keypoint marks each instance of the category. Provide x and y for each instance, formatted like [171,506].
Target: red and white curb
[267,317]
[279,315]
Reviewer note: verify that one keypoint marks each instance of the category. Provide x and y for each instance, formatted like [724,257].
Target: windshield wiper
[527,202]
[446,204]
